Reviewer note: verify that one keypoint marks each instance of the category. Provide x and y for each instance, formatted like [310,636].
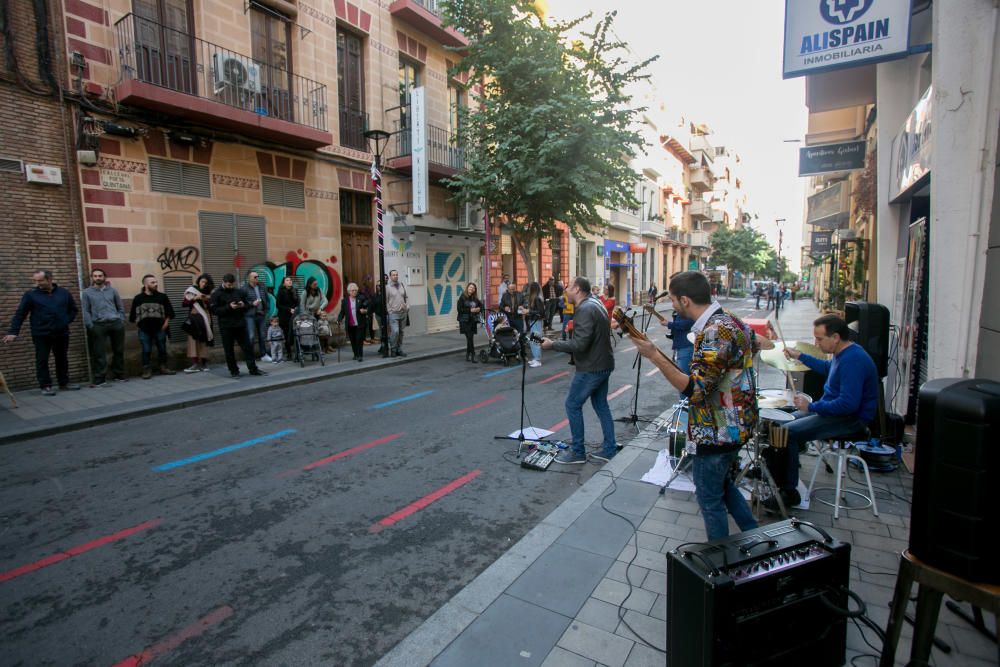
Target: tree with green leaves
[552,131]
[744,250]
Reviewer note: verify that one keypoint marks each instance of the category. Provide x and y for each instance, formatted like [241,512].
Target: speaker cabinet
[872,331]
[954,523]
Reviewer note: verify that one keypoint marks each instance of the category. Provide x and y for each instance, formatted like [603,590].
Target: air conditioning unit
[469,216]
[235,72]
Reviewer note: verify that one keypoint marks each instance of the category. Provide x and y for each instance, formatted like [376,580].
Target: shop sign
[113,179]
[821,243]
[615,246]
[911,148]
[829,208]
[823,35]
[692,264]
[418,149]
[843,156]
[638,248]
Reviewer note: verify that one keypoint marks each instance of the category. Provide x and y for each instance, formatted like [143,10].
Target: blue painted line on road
[501,371]
[379,406]
[224,450]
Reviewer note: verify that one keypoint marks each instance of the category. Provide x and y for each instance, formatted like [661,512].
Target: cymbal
[777,359]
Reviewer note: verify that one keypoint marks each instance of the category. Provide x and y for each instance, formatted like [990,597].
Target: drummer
[849,402]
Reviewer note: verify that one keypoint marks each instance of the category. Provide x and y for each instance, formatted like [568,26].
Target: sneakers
[147,373]
[567,457]
[193,369]
[98,382]
[163,370]
[534,363]
[48,391]
[602,457]
[790,497]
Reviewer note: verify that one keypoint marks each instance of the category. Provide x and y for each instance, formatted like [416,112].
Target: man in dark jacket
[52,309]
[152,312]
[511,304]
[551,292]
[229,305]
[591,348]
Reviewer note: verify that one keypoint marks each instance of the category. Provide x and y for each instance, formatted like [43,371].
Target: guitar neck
[652,311]
[635,333]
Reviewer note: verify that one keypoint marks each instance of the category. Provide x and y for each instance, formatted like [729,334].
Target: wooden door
[357,254]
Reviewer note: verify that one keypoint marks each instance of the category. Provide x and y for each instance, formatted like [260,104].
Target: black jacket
[229,318]
[287,300]
[468,321]
[51,312]
[362,304]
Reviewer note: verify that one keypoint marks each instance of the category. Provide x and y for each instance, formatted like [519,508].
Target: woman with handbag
[469,307]
[198,325]
[286,301]
[534,313]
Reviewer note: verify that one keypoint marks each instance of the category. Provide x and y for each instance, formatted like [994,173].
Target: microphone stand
[522,341]
[634,419]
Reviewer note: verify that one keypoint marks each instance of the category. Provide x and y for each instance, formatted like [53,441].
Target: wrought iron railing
[433,6]
[154,53]
[442,145]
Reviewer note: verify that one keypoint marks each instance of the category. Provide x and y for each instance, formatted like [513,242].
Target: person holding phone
[229,305]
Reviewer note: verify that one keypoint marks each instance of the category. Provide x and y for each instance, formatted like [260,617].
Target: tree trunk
[522,250]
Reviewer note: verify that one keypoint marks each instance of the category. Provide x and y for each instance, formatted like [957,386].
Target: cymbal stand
[634,419]
[756,461]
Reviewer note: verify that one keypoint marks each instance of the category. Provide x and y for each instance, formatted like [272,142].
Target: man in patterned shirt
[720,393]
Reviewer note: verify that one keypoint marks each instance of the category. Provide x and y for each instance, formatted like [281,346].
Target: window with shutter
[283,192]
[173,287]
[179,178]
[231,243]
[350,90]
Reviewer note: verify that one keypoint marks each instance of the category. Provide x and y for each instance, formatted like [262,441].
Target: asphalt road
[313,525]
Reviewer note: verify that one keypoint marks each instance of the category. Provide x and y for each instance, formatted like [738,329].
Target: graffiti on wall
[298,265]
[183,260]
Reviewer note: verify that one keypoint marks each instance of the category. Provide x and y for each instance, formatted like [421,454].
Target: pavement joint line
[415,645]
[222,391]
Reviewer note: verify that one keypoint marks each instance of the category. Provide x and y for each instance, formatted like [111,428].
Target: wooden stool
[934,584]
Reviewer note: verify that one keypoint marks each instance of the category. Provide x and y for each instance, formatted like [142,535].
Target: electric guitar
[628,326]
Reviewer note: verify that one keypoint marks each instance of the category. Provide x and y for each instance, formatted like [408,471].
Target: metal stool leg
[812,480]
[839,484]
[868,480]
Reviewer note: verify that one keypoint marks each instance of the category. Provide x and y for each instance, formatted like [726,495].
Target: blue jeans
[146,342]
[714,488]
[536,349]
[808,427]
[595,387]
[684,358]
[256,332]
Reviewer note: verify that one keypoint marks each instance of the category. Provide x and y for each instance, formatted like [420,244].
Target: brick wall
[41,222]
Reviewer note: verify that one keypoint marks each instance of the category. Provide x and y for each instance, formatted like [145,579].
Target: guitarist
[590,346]
[720,391]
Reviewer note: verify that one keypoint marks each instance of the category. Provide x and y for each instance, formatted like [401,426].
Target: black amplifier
[767,596]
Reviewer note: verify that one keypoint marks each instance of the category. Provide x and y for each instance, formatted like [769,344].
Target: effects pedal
[537,459]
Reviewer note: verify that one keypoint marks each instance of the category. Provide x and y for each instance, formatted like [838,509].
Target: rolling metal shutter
[173,287]
[218,243]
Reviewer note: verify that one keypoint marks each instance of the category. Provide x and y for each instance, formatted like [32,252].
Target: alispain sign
[821,35]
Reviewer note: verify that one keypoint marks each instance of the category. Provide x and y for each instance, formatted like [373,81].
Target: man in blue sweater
[849,402]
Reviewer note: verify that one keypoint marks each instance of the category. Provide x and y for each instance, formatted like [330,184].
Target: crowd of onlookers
[775,294]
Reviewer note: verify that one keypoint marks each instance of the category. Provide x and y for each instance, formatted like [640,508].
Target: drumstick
[788,374]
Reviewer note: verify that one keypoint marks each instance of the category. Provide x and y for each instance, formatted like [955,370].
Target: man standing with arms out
[104,317]
[552,293]
[52,309]
[720,392]
[849,402]
[151,312]
[591,348]
[227,302]
[395,294]
[256,314]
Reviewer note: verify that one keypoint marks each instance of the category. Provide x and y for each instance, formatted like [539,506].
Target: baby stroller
[503,344]
[305,332]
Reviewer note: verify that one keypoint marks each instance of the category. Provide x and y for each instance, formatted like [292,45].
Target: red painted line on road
[619,392]
[653,372]
[552,378]
[76,551]
[173,641]
[349,452]
[558,426]
[488,401]
[418,505]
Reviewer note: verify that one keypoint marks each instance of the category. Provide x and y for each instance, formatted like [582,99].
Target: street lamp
[380,138]
[781,269]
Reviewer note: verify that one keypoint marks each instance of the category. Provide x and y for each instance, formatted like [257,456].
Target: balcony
[178,74]
[699,239]
[700,210]
[678,236]
[424,15]
[445,157]
[700,142]
[624,220]
[702,179]
[652,228]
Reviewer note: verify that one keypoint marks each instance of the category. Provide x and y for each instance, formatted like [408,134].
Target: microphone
[662,294]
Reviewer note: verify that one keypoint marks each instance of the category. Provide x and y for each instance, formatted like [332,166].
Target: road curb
[213,396]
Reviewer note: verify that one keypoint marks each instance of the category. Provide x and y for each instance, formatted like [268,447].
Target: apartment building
[232,136]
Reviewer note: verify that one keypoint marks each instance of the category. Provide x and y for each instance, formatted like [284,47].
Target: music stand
[634,418]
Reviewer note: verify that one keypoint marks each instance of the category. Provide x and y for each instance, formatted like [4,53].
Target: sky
[720,64]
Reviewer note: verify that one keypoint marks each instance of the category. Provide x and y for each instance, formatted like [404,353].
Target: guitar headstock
[625,322]
[649,308]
